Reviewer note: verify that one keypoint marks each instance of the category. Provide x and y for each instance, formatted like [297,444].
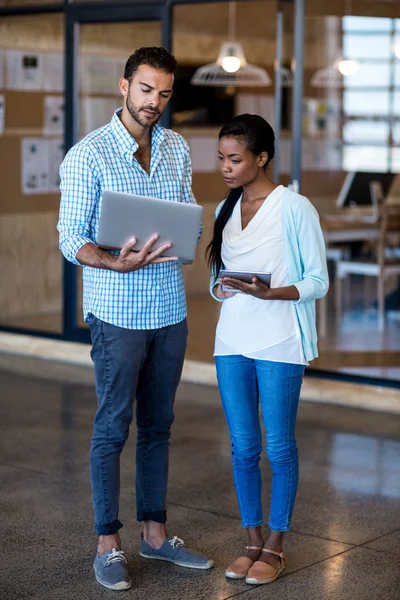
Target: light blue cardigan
[306,261]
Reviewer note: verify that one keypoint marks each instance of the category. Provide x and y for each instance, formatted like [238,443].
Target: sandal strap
[254,548]
[280,554]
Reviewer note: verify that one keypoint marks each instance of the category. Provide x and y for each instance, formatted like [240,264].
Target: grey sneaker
[111,570]
[174,550]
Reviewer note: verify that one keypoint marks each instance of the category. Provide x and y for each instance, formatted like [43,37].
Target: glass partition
[31,150]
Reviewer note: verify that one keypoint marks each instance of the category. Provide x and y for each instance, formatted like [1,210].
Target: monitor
[356,191]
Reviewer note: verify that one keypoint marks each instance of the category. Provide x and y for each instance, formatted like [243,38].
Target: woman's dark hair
[158,58]
[258,136]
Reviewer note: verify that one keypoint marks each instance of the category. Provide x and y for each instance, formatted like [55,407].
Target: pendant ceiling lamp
[333,76]
[231,67]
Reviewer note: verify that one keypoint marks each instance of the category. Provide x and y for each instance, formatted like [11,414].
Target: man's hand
[129,261]
[220,294]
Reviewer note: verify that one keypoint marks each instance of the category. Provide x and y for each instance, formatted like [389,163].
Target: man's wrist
[108,260]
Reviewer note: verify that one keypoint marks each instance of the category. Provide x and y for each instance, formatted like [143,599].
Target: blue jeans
[141,365]
[243,383]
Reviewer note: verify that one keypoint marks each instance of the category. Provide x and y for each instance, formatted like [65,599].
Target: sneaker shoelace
[176,542]
[115,556]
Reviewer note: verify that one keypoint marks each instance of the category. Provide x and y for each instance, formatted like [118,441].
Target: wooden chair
[385,262]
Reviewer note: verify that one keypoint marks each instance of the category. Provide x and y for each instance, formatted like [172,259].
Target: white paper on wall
[24,70]
[34,166]
[99,75]
[317,155]
[266,108]
[96,112]
[285,156]
[246,103]
[55,155]
[53,115]
[256,104]
[204,152]
[2,69]
[2,113]
[53,72]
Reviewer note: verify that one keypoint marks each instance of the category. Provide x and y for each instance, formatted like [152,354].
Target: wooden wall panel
[30,265]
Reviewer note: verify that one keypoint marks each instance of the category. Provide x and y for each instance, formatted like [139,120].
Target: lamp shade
[231,69]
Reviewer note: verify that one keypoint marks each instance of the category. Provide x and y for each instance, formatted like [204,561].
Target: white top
[259,329]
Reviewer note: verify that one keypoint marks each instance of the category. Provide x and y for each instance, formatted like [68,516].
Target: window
[371,97]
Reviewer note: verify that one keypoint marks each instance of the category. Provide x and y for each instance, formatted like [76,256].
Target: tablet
[124,216]
[246,276]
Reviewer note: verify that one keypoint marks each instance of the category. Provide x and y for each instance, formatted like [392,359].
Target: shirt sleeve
[79,193]
[187,192]
[315,282]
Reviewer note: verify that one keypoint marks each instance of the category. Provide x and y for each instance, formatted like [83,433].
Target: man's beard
[134,111]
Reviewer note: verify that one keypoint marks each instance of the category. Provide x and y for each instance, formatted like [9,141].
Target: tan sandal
[261,572]
[239,568]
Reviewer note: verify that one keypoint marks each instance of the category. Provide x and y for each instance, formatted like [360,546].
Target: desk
[343,230]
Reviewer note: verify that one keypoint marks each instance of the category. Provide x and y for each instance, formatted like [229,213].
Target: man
[134,303]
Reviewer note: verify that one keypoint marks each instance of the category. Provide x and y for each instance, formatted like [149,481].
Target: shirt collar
[126,142]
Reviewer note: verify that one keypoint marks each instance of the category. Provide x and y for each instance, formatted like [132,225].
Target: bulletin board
[31,122]
[24,118]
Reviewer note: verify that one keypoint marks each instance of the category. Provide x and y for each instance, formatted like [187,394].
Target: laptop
[124,216]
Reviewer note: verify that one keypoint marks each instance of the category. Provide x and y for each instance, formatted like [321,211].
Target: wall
[30,259]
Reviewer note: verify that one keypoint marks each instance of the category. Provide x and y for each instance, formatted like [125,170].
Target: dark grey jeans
[145,365]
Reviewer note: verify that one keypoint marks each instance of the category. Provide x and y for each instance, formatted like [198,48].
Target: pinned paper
[55,157]
[53,72]
[99,75]
[24,70]
[53,115]
[2,68]
[34,171]
[2,113]
[41,160]
[97,112]
[256,104]
[204,152]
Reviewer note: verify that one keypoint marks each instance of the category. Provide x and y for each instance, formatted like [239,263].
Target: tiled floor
[345,542]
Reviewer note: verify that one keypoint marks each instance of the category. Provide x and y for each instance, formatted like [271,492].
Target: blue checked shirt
[154,296]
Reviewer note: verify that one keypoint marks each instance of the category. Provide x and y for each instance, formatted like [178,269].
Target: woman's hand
[257,288]
[261,290]
[221,294]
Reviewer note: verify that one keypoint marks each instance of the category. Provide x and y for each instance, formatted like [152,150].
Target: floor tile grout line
[296,571]
[379,551]
[380,536]
[319,537]
[296,531]
[216,514]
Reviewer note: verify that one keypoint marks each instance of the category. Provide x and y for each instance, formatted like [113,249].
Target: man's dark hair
[158,58]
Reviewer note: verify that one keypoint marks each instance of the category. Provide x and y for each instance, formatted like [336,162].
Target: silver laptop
[124,216]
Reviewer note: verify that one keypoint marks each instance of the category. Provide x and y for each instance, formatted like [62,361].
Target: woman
[265,335]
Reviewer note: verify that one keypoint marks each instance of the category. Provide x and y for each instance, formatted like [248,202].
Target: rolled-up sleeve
[315,281]
[79,192]
[187,191]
